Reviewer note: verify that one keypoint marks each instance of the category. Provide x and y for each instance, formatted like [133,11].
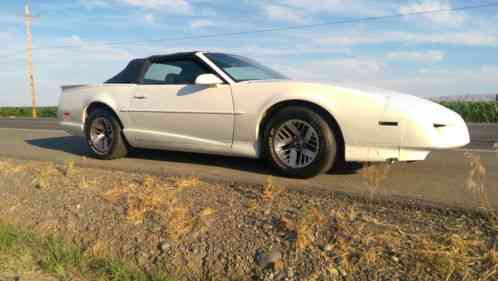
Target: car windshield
[243,69]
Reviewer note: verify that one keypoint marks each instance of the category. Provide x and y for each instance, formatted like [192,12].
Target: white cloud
[168,6]
[150,18]
[343,7]
[445,18]
[201,24]
[5,35]
[446,82]
[426,82]
[73,40]
[473,38]
[82,51]
[422,56]
[281,13]
[90,4]
[266,55]
[85,62]
[349,70]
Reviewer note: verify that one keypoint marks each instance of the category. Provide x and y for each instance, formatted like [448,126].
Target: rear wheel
[299,143]
[104,135]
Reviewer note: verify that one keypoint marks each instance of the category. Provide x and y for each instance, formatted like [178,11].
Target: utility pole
[31,79]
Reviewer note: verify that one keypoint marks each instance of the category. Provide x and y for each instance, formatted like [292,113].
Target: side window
[179,72]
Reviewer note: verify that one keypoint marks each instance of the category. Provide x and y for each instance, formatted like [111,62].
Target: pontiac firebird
[231,105]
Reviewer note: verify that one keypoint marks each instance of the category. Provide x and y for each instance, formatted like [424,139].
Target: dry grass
[99,248]
[453,255]
[265,198]
[252,205]
[138,198]
[475,185]
[374,175]
[352,240]
[187,182]
[304,227]
[475,179]
[69,169]
[270,190]
[85,183]
[154,196]
[43,173]
[9,168]
[492,258]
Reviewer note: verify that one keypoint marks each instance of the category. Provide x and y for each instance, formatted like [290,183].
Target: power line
[266,30]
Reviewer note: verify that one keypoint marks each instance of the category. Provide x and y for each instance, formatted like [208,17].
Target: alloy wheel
[296,143]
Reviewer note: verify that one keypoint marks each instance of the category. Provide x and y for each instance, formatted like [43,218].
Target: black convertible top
[135,70]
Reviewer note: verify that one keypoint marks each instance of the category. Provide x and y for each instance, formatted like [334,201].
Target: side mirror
[208,80]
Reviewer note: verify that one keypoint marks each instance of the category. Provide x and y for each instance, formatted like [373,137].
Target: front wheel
[104,136]
[299,143]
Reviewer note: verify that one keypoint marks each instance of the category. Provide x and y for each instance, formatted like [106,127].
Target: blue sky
[426,55]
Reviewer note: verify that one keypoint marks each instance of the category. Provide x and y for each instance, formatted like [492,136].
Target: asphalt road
[439,180]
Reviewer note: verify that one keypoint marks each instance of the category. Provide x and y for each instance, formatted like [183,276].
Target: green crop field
[45,112]
[479,112]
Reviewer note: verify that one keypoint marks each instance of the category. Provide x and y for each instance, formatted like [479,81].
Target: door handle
[139,97]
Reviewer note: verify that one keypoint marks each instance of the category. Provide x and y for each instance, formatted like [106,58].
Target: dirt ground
[196,230]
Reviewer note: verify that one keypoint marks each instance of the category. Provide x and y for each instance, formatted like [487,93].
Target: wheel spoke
[99,138]
[291,127]
[105,145]
[293,157]
[309,134]
[309,153]
[283,139]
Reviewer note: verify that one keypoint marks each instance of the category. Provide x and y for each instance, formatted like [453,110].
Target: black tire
[327,148]
[118,147]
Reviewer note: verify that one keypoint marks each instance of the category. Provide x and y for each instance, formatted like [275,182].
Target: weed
[8,168]
[455,254]
[186,182]
[153,196]
[475,185]
[492,258]
[252,205]
[141,198]
[270,190]
[475,179]
[98,248]
[178,222]
[304,236]
[65,261]
[149,181]
[84,183]
[43,174]
[375,175]
[304,227]
[4,167]
[69,168]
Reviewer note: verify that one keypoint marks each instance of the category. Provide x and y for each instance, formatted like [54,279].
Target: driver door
[169,111]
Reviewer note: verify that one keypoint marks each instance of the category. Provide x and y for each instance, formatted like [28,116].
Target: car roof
[178,55]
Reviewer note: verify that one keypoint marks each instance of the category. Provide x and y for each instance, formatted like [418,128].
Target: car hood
[333,87]
[350,87]
[391,99]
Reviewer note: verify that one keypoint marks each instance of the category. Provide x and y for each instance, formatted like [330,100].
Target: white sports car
[231,105]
